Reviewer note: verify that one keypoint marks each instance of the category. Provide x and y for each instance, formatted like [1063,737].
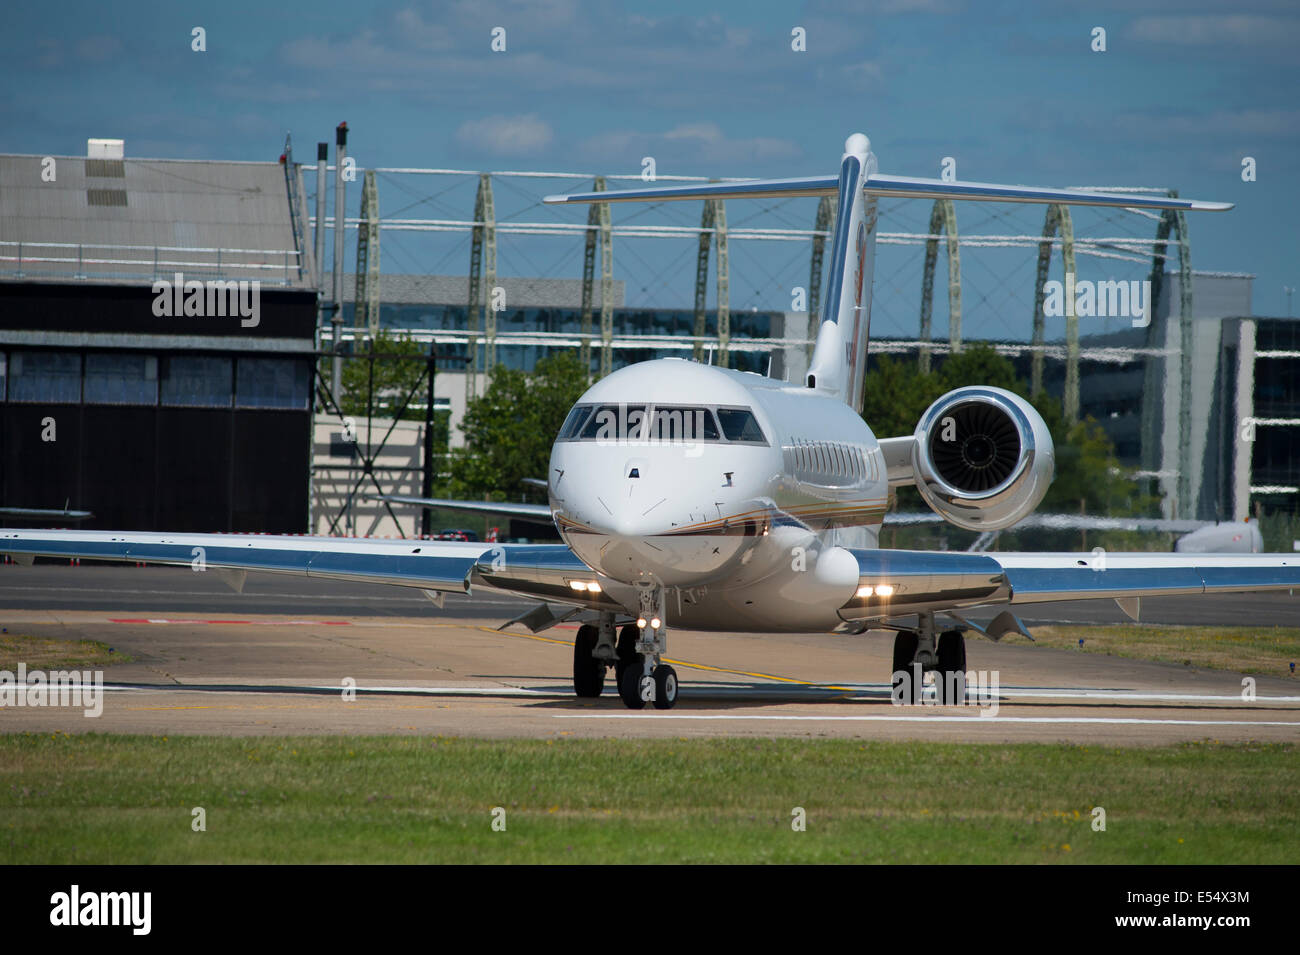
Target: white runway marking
[1075,693]
[919,719]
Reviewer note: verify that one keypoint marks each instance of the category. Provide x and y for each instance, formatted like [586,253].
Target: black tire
[665,687]
[904,679]
[626,650]
[588,672]
[629,688]
[950,678]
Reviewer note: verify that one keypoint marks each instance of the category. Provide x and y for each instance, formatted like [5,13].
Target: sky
[1014,92]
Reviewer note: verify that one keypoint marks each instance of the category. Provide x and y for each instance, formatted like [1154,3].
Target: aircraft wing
[44,513]
[537,512]
[898,582]
[1066,522]
[545,571]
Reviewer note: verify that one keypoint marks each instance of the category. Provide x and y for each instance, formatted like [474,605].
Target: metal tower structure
[366,308]
[713,222]
[598,229]
[482,281]
[1058,221]
[943,216]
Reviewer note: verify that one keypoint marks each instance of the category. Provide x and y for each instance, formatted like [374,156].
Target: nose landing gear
[644,678]
[639,674]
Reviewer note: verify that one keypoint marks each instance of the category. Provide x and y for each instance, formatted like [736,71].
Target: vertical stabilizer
[839,361]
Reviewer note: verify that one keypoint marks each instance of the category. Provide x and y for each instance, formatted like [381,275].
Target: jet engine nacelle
[982,458]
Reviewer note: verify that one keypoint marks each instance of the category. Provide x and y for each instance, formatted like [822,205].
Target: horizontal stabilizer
[906,187]
[744,189]
[902,187]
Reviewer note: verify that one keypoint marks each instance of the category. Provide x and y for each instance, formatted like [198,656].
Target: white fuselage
[660,476]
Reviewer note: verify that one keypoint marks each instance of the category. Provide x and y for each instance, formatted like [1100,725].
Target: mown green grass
[48,653]
[124,799]
[1263,650]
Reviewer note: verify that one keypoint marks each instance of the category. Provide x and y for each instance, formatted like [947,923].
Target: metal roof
[134,220]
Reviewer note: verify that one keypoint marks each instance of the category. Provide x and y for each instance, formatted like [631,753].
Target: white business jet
[700,497]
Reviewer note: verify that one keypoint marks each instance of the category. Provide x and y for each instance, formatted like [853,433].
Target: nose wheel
[642,676]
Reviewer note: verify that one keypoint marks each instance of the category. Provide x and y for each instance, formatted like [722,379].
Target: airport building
[152,406]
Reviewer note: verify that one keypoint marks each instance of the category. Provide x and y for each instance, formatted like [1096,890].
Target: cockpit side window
[573,423]
[739,424]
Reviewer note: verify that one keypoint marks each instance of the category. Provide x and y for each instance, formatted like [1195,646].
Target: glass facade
[116,379]
[144,380]
[273,383]
[627,322]
[45,376]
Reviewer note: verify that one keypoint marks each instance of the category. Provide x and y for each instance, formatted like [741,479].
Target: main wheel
[665,678]
[950,678]
[588,672]
[903,678]
[626,650]
[629,688]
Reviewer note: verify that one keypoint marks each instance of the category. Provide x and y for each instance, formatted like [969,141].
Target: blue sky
[1012,91]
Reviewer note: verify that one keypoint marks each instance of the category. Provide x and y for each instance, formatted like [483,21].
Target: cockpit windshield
[661,424]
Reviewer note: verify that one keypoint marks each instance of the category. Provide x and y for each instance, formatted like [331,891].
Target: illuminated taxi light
[640,622]
[864,591]
[884,590]
[577,585]
[654,623]
[594,587]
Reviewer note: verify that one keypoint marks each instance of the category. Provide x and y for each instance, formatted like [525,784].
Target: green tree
[510,429]
[394,377]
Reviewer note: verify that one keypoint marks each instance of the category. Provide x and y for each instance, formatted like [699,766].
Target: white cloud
[1216,30]
[691,142]
[505,135]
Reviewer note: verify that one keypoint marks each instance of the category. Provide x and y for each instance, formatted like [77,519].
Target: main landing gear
[917,652]
[635,656]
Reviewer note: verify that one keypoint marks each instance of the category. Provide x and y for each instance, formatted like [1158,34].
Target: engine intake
[982,458]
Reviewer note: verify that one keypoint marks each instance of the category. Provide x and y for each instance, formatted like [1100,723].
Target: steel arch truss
[944,216]
[482,281]
[366,308]
[1058,222]
[598,228]
[713,223]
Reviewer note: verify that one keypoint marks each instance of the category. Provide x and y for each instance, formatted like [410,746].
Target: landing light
[884,590]
[594,587]
[577,585]
[864,591]
[640,622]
[654,623]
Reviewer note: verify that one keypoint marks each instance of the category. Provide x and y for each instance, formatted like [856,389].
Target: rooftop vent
[105,149]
